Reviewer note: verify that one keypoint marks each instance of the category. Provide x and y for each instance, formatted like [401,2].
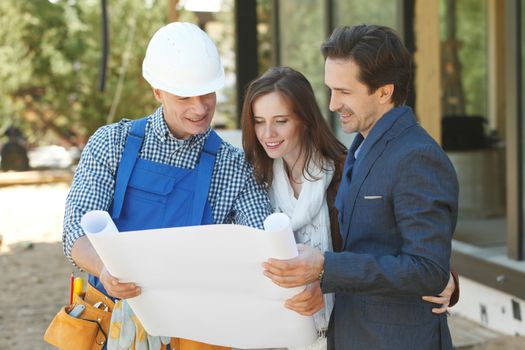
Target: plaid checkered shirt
[234,195]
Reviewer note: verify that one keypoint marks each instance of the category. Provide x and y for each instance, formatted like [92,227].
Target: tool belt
[89,330]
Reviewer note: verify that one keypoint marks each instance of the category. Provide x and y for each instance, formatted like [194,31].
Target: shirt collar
[356,153]
[161,130]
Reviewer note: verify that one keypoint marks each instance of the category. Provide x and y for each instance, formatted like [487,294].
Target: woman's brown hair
[317,138]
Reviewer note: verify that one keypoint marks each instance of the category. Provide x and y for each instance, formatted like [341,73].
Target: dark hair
[316,138]
[378,52]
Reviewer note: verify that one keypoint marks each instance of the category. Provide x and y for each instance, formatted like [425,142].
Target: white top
[309,216]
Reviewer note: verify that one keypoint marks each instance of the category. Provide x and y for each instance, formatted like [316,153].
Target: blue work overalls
[151,195]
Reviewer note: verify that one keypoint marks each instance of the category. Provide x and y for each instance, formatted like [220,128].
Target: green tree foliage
[472,31]
[301,34]
[352,12]
[266,54]
[471,36]
[15,59]
[50,54]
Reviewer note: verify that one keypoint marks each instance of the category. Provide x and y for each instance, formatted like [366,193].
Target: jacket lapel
[388,127]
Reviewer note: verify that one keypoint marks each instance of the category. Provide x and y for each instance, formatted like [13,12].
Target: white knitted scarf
[309,216]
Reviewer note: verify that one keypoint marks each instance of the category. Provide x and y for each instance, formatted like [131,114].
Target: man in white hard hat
[168,169]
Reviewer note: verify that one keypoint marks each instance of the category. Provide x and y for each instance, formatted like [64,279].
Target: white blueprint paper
[205,282]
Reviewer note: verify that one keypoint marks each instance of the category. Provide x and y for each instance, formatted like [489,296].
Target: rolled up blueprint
[279,228]
[97,221]
[210,272]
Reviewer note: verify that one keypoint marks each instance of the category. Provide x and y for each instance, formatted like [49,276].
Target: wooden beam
[35,177]
[173,13]
[513,134]
[496,66]
[427,70]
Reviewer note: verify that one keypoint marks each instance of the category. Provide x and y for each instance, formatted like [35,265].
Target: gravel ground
[34,273]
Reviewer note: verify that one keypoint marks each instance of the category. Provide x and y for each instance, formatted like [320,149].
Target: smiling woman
[279,130]
[296,155]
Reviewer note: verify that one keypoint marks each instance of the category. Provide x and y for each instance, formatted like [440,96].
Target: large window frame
[515,155]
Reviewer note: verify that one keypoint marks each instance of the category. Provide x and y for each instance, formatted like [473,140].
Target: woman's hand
[118,289]
[443,298]
[308,302]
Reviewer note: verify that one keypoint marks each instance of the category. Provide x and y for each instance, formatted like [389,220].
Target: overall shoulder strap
[213,143]
[127,163]
[204,172]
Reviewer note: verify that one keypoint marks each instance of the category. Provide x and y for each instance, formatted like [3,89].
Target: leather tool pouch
[89,330]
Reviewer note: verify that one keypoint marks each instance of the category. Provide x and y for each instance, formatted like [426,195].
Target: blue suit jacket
[397,208]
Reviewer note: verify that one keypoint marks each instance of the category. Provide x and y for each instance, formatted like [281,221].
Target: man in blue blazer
[397,205]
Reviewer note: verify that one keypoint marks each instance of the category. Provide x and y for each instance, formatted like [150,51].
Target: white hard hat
[181,59]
